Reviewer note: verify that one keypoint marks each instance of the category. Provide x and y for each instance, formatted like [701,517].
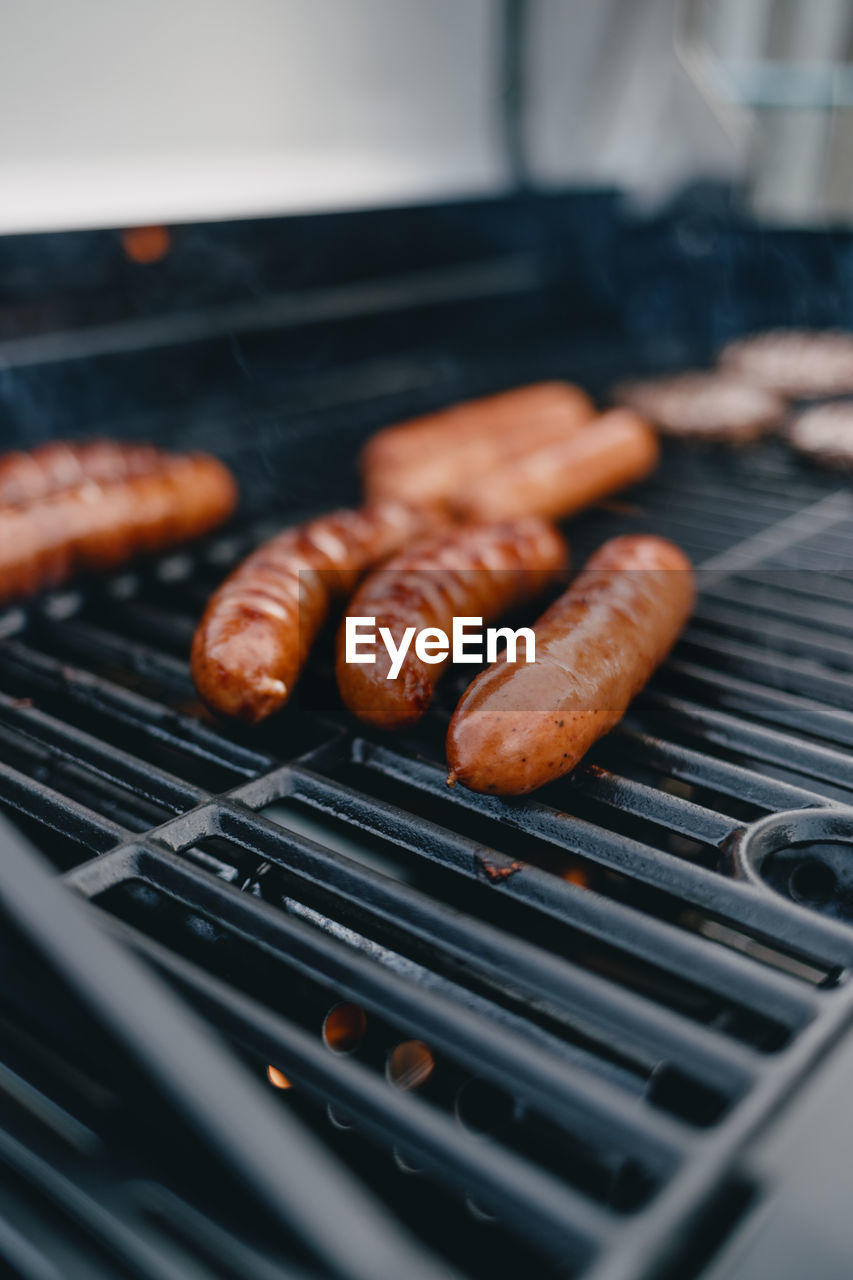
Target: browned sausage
[617,449]
[519,726]
[428,460]
[260,624]
[101,525]
[26,477]
[475,571]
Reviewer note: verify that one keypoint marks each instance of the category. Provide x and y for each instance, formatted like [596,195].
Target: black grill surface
[616,982]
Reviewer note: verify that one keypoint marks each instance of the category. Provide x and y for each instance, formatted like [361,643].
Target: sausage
[187,496]
[428,460]
[259,626]
[477,571]
[100,525]
[519,726]
[26,477]
[559,479]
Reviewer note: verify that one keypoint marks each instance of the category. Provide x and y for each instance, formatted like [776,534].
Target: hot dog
[519,726]
[100,525]
[260,624]
[615,450]
[430,459]
[477,571]
[28,476]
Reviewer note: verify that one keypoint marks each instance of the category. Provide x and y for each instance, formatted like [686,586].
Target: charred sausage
[100,525]
[28,476]
[430,459]
[477,571]
[617,449]
[260,624]
[519,726]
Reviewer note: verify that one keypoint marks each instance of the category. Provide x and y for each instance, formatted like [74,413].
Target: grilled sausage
[617,449]
[26,477]
[430,459]
[101,525]
[519,726]
[477,571]
[260,624]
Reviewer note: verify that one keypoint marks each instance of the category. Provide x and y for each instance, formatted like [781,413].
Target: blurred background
[178,110]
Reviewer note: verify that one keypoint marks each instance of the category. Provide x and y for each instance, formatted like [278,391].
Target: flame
[576,875]
[410,1064]
[278,1078]
[146,244]
[344,1028]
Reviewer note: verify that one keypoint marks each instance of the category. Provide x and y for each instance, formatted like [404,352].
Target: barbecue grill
[599,1032]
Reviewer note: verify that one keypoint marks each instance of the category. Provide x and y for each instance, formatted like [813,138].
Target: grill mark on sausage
[259,626]
[99,525]
[478,571]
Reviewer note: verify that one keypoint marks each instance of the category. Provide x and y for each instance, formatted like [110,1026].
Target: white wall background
[120,112]
[115,111]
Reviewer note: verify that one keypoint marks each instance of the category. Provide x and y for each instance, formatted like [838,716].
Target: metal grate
[615,988]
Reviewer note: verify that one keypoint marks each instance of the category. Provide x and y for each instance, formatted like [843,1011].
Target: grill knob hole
[811,882]
[482,1108]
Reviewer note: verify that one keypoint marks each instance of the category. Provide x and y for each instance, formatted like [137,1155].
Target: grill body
[621,1027]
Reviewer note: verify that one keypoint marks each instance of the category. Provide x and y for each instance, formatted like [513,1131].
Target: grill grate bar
[675,813]
[699,768]
[554,1214]
[638,934]
[163,1039]
[767,916]
[632,1074]
[782,601]
[106,760]
[762,508]
[809,583]
[792,674]
[732,733]
[134,1247]
[159,627]
[603,1009]
[784,534]
[170,675]
[58,813]
[761,702]
[125,706]
[704,537]
[588,1108]
[781,636]
[684,1199]
[708,500]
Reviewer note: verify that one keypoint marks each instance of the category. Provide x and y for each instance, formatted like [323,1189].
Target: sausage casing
[28,476]
[519,726]
[430,459]
[469,571]
[259,626]
[559,479]
[100,525]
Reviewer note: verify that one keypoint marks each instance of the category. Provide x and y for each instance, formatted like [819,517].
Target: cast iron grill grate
[615,980]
